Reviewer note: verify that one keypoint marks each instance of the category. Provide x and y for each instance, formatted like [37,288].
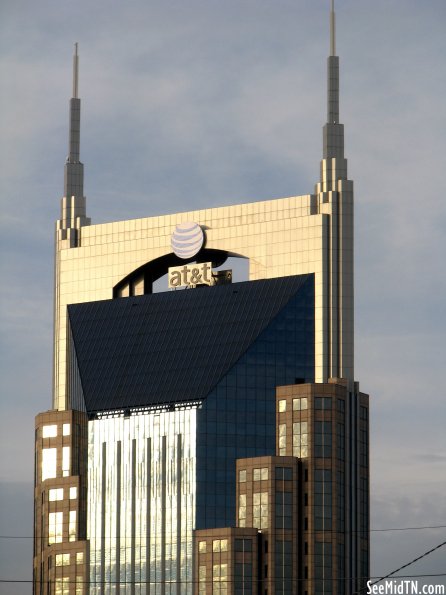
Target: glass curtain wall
[141,508]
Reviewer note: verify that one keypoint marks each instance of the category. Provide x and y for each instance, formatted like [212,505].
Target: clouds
[196,103]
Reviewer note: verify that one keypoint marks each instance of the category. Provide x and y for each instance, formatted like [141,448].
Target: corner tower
[334,195]
[73,217]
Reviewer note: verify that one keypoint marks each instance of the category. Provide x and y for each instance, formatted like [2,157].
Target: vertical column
[179,503]
[148,511]
[133,520]
[118,516]
[103,512]
[163,513]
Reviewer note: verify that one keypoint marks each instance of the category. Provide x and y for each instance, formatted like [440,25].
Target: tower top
[332,30]
[73,204]
[75,72]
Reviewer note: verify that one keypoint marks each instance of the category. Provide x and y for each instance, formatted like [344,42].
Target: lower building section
[301,516]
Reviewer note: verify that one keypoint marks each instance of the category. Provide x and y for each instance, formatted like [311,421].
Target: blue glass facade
[237,418]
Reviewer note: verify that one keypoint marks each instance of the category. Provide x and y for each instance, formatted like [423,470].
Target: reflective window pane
[49,431]
[49,460]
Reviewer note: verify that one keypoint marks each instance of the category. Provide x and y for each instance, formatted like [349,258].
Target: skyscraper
[211,440]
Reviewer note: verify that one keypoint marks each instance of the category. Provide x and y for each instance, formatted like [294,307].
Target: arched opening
[148,278]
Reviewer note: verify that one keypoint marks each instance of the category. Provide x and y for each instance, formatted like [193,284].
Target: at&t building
[209,437]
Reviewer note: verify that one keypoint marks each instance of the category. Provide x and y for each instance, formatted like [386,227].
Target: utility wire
[437,547]
[192,582]
[423,528]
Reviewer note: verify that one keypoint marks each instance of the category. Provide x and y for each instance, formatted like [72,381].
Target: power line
[421,528]
[192,582]
[437,547]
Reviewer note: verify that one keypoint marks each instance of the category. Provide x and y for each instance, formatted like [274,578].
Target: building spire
[73,208]
[75,72]
[74,169]
[333,130]
[332,30]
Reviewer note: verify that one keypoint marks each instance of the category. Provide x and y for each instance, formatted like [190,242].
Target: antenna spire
[333,130]
[75,72]
[74,170]
[332,30]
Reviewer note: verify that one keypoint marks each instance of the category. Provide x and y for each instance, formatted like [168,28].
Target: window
[284,510]
[363,413]
[340,478]
[300,404]
[56,494]
[72,526]
[49,463]
[242,476]
[79,557]
[260,510]
[322,403]
[243,545]
[220,579]
[242,510]
[284,474]
[284,567]
[202,579]
[62,586]
[202,547]
[243,574]
[79,585]
[220,545]
[55,524]
[341,405]
[282,440]
[66,461]
[364,507]
[62,559]
[260,474]
[363,448]
[66,429]
[322,500]
[323,567]
[49,431]
[340,431]
[300,439]
[73,493]
[282,405]
[322,438]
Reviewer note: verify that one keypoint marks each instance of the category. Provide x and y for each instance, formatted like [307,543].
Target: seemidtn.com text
[404,587]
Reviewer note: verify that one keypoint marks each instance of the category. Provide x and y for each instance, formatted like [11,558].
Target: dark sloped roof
[173,346]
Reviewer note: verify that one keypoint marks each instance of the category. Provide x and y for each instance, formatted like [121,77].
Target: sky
[196,103]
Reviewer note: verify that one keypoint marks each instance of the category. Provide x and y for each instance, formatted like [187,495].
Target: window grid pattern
[322,439]
[322,403]
[322,499]
[323,564]
[284,510]
[243,567]
[283,567]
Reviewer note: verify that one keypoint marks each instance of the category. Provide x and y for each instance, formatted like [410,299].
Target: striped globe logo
[187,240]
